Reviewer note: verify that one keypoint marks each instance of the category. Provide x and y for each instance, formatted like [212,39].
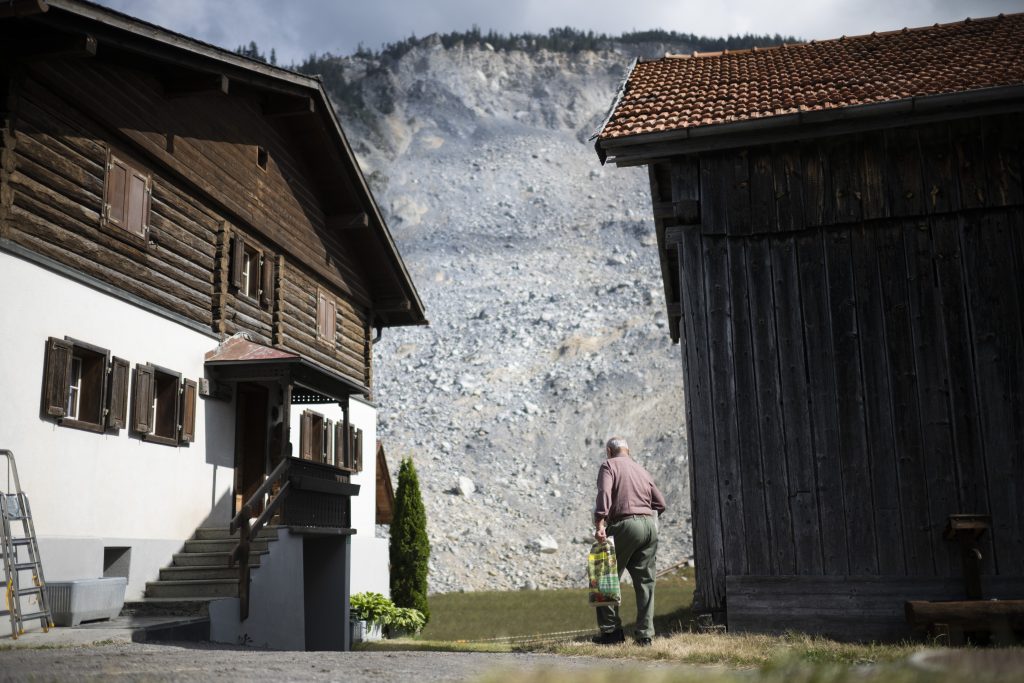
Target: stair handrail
[240,522]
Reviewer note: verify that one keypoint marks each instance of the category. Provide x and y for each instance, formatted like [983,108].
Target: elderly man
[627,501]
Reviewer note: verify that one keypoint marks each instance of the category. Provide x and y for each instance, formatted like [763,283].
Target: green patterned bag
[603,570]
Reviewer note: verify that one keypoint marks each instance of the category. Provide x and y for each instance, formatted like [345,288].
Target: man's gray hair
[617,444]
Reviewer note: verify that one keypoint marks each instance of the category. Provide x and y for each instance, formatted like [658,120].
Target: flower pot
[363,631]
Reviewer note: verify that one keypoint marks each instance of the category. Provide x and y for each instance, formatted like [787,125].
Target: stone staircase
[201,571]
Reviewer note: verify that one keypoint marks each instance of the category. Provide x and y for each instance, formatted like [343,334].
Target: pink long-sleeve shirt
[625,488]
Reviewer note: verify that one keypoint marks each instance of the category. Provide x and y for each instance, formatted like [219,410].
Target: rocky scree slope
[539,272]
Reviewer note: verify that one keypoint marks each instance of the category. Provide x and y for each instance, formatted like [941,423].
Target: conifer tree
[409,548]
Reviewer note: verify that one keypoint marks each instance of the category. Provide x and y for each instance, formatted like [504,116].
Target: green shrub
[409,548]
[375,608]
[371,607]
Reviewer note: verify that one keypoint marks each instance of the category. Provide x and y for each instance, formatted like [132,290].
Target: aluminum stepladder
[14,508]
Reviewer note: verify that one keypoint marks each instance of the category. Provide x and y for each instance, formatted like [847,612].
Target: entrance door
[251,430]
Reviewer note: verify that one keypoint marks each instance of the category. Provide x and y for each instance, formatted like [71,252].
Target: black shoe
[609,638]
[643,642]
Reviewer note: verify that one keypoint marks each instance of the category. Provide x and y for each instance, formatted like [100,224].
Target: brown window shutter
[339,445]
[117,192]
[267,286]
[136,220]
[56,376]
[305,436]
[189,394]
[142,399]
[328,443]
[321,314]
[331,322]
[359,450]
[117,395]
[237,261]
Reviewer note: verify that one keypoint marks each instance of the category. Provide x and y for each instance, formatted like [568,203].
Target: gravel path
[205,662]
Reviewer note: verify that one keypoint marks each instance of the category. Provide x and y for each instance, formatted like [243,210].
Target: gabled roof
[687,94]
[396,301]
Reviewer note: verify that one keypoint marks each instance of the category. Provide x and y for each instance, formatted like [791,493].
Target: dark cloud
[299,27]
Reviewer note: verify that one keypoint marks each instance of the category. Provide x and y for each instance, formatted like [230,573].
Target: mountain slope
[540,277]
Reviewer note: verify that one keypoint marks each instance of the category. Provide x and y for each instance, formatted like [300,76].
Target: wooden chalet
[194,274]
[840,225]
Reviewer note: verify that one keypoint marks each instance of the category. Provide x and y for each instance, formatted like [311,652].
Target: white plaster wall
[89,490]
[276,616]
[370,565]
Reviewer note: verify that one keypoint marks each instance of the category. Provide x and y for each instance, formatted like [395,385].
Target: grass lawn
[492,621]
[496,614]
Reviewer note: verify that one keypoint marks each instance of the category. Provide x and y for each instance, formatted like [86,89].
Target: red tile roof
[681,92]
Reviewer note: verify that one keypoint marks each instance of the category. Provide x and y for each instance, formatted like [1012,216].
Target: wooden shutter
[328,443]
[117,394]
[136,213]
[189,394]
[237,261]
[331,321]
[321,314]
[339,445]
[142,399]
[358,453]
[116,194]
[56,376]
[306,436]
[267,285]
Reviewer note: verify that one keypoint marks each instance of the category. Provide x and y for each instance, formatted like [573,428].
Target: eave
[644,148]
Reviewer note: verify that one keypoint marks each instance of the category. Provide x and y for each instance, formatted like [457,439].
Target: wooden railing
[307,494]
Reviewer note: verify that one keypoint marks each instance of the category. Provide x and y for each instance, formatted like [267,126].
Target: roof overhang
[238,359]
[287,93]
[640,149]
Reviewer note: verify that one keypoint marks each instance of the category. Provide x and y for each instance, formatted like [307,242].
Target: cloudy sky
[295,28]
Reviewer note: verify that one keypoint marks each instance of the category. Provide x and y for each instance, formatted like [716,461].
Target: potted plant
[369,613]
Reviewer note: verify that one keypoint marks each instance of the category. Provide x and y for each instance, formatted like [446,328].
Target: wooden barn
[193,275]
[841,232]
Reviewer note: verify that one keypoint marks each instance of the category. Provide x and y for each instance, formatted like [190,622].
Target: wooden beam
[686,211]
[347,221]
[83,45]
[674,309]
[22,8]
[196,84]
[282,105]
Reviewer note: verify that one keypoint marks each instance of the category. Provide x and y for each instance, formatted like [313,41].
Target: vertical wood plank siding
[853,347]
[205,192]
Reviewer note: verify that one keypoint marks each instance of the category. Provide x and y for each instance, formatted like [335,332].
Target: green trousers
[636,545]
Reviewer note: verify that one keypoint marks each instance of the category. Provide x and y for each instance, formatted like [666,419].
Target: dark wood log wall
[68,114]
[853,350]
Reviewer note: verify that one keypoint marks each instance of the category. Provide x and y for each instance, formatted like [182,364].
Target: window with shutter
[157,404]
[75,384]
[126,198]
[189,395]
[117,394]
[252,272]
[315,436]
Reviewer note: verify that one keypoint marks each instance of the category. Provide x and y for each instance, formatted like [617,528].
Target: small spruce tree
[409,548]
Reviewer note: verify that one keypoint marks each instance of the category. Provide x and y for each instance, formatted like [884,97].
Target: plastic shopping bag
[603,571]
